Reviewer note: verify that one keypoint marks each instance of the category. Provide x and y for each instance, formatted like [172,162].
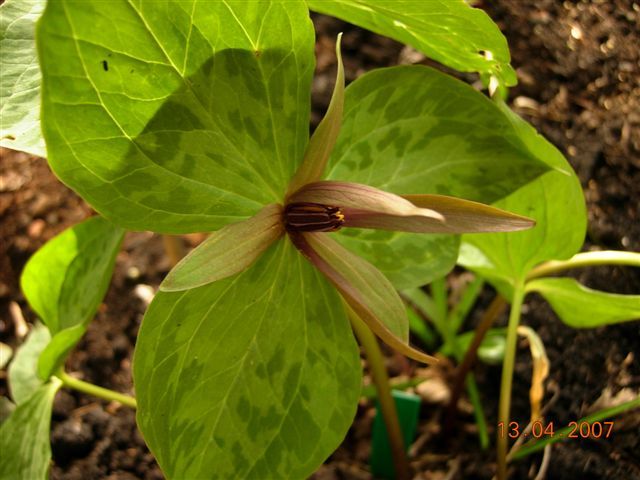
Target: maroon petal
[367,207]
[227,251]
[361,199]
[324,138]
[365,289]
[465,216]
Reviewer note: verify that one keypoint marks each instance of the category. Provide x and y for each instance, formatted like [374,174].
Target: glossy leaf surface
[23,371]
[66,280]
[179,116]
[226,252]
[24,436]
[254,376]
[20,79]
[412,130]
[582,307]
[451,32]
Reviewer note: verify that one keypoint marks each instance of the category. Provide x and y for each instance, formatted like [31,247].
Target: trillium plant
[313,208]
[193,116]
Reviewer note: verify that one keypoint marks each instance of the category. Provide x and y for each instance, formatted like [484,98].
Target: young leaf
[367,292]
[20,79]
[24,436]
[23,374]
[582,307]
[226,252]
[65,281]
[491,350]
[324,138]
[402,131]
[176,117]
[453,33]
[234,377]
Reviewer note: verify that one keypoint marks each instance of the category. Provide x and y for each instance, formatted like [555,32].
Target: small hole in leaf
[486,54]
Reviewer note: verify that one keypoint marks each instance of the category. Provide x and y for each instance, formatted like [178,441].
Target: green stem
[96,391]
[478,411]
[562,434]
[507,376]
[496,307]
[387,405]
[439,294]
[174,248]
[586,259]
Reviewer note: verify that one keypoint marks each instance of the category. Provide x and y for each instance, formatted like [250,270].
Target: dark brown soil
[579,70]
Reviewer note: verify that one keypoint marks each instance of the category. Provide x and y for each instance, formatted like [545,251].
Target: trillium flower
[313,208]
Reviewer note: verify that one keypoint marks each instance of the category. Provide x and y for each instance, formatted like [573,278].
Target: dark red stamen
[312,217]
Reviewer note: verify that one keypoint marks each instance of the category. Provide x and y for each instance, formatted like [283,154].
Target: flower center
[312,217]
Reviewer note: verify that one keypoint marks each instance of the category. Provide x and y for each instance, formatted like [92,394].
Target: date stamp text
[540,429]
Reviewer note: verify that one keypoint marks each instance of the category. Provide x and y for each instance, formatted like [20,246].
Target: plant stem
[387,405]
[91,389]
[496,307]
[173,248]
[507,376]
[586,259]
[478,411]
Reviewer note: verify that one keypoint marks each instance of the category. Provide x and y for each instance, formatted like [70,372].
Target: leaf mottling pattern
[176,116]
[411,130]
[254,376]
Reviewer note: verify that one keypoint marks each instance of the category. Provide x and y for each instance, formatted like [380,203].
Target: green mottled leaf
[413,130]
[24,436]
[23,371]
[407,260]
[449,31]
[176,116]
[232,379]
[65,281]
[20,79]
[582,307]
[555,201]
